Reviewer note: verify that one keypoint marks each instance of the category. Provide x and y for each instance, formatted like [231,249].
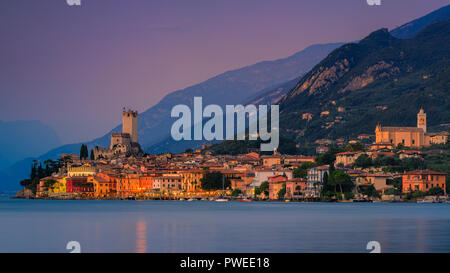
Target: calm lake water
[199,226]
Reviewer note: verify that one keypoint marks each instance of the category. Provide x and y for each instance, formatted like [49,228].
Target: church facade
[412,137]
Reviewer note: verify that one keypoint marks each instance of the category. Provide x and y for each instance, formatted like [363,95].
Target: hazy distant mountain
[409,30]
[380,79]
[232,87]
[21,139]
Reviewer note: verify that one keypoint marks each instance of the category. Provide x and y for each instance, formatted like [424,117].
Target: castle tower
[422,120]
[130,124]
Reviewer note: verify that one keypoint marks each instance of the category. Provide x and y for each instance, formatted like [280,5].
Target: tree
[326,159]
[363,161]
[92,157]
[263,188]
[282,192]
[236,192]
[370,191]
[343,180]
[84,153]
[300,172]
[436,191]
[49,183]
[214,181]
[354,147]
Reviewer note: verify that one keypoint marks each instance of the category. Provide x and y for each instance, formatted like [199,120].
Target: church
[412,137]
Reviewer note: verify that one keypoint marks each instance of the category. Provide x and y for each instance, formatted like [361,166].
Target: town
[388,166]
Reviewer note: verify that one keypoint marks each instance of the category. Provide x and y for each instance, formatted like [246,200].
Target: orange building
[270,160]
[276,183]
[294,187]
[191,180]
[414,137]
[146,182]
[423,180]
[104,185]
[128,184]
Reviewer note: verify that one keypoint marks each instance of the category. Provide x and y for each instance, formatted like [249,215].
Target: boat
[362,201]
[191,199]
[222,198]
[245,200]
[425,201]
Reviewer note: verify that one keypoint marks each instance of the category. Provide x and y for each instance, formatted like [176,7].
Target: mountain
[381,79]
[232,87]
[267,96]
[410,29]
[21,139]
[260,83]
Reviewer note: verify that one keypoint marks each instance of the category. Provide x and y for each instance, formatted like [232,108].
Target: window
[413,141]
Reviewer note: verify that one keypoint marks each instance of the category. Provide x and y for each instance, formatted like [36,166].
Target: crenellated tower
[130,124]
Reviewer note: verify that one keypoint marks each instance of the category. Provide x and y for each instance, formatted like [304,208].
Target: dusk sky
[74,68]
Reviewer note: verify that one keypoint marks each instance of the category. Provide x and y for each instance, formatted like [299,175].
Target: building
[346,158]
[82,171]
[124,143]
[314,181]
[79,185]
[295,187]
[439,138]
[307,116]
[409,154]
[422,180]
[104,185]
[321,149]
[413,137]
[276,183]
[191,180]
[128,184]
[169,182]
[292,159]
[271,160]
[244,184]
[264,174]
[378,180]
[130,124]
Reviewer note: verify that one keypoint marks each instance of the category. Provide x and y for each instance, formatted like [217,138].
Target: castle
[413,137]
[125,143]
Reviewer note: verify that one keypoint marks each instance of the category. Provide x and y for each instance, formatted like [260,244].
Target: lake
[201,226]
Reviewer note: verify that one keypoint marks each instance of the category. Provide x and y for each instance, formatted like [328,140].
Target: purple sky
[74,68]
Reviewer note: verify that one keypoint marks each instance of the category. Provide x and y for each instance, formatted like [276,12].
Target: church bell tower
[422,120]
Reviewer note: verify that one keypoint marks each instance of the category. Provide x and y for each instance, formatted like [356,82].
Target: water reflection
[141,236]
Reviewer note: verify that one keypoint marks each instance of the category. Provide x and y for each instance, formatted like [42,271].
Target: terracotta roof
[424,172]
[401,129]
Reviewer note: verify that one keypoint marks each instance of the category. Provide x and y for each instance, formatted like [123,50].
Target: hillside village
[395,166]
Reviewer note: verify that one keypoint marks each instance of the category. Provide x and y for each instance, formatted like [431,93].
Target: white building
[263,175]
[314,181]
